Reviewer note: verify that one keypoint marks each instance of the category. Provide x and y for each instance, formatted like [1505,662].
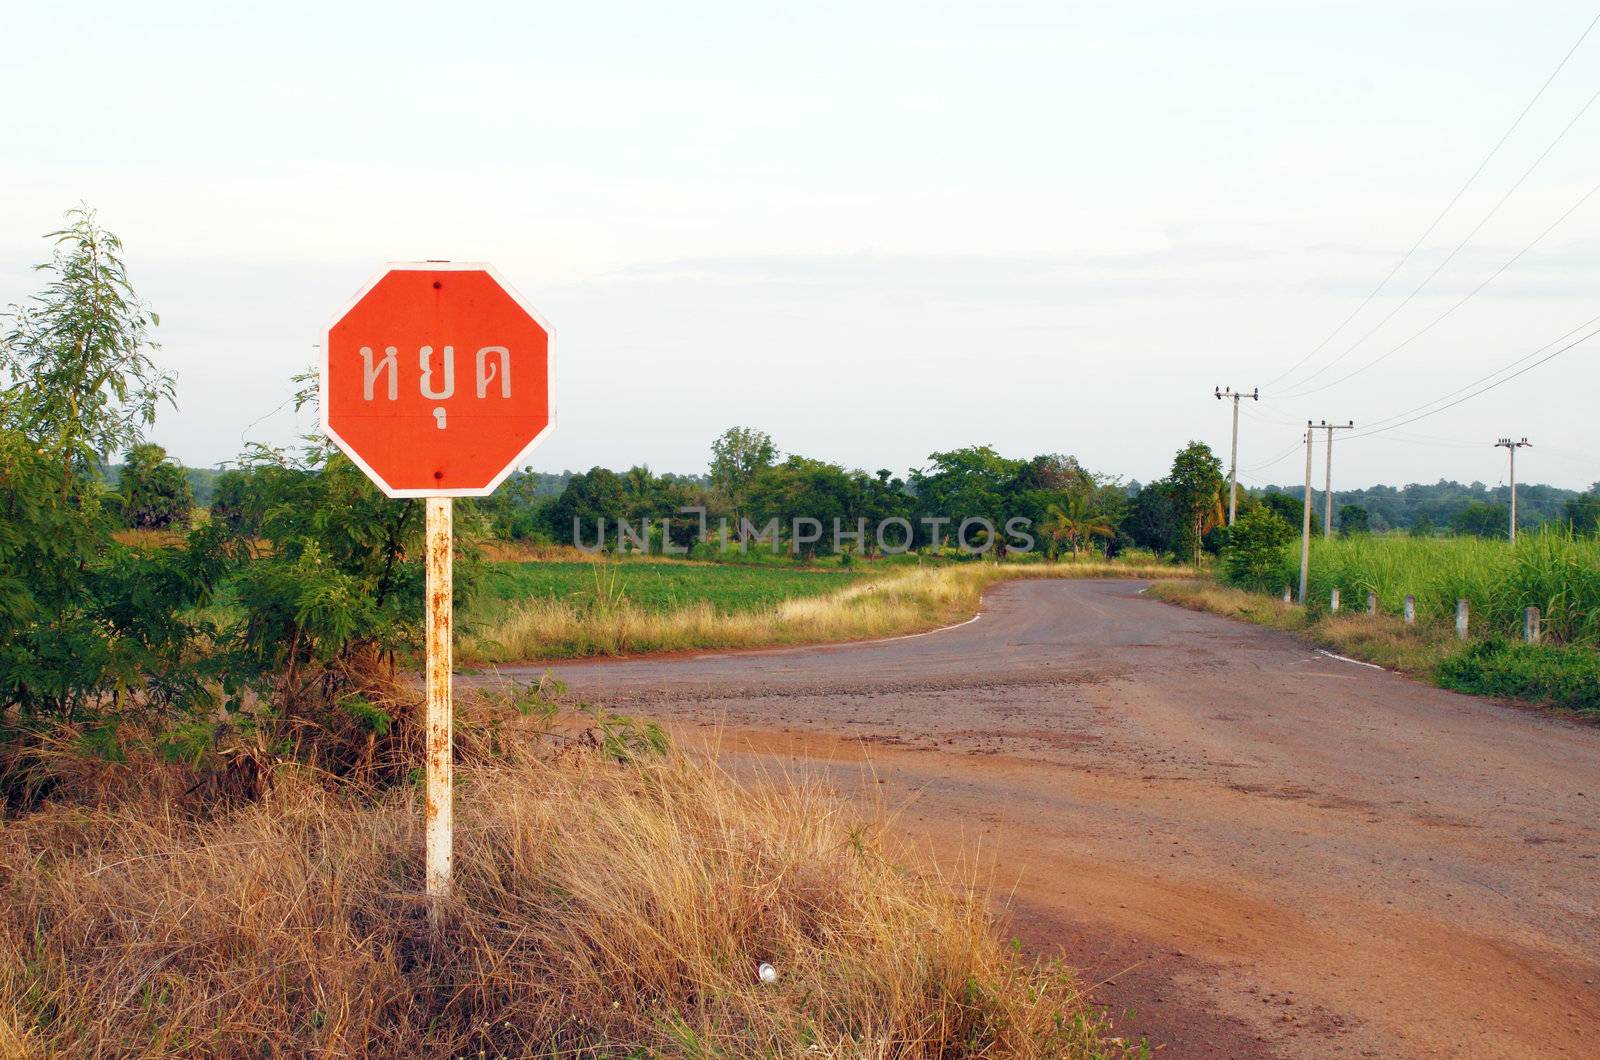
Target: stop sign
[437,379]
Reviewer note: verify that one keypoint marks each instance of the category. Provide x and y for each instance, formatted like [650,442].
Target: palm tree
[1073,522]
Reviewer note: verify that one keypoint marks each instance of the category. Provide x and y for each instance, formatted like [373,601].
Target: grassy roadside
[903,600]
[602,907]
[1564,677]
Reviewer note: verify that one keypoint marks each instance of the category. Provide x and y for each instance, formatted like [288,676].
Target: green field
[654,587]
[1551,569]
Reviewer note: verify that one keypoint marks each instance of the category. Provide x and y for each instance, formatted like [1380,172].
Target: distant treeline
[530,502]
[1448,505]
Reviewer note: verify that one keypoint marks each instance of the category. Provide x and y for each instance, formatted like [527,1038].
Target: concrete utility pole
[1511,450]
[1305,525]
[1327,482]
[1233,465]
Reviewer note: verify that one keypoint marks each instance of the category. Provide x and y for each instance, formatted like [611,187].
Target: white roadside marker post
[439,814]
[1461,619]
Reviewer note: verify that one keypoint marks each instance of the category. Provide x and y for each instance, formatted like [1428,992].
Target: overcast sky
[873,230]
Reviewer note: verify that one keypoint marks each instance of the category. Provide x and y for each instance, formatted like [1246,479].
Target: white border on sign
[440,266]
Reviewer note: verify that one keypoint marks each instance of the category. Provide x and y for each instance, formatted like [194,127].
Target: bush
[1560,676]
[154,492]
[1253,556]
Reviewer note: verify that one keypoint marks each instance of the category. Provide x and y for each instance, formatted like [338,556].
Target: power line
[1436,321]
[1275,460]
[1448,206]
[1484,390]
[1380,424]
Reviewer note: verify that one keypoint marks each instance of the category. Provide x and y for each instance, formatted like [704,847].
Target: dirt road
[1266,850]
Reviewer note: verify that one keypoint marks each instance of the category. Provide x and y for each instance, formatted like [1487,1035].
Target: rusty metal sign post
[439,816]
[391,362]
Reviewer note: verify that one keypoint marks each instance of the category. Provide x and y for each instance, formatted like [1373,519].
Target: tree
[90,630]
[801,488]
[76,360]
[1074,521]
[1253,557]
[154,492]
[1582,512]
[1152,520]
[1197,486]
[594,495]
[1482,520]
[1352,520]
[971,483]
[737,455]
[1292,510]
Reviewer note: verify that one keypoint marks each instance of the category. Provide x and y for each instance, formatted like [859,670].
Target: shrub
[1561,676]
[153,491]
[1253,556]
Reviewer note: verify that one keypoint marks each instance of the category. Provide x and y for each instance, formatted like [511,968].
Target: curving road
[1259,849]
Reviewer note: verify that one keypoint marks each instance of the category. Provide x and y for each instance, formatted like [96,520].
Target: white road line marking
[1345,658]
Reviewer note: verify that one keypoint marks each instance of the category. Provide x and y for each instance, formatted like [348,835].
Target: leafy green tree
[1291,509]
[154,492]
[591,496]
[1352,520]
[1075,522]
[882,497]
[1582,512]
[802,488]
[91,632]
[76,359]
[1197,489]
[738,455]
[1152,520]
[971,483]
[1254,555]
[1482,520]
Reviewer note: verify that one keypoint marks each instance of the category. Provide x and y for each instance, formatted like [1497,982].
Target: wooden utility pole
[438,815]
[1511,449]
[1233,464]
[1327,482]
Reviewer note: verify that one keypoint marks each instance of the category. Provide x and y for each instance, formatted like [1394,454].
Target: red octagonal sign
[438,379]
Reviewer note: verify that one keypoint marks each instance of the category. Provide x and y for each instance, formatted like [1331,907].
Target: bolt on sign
[438,381]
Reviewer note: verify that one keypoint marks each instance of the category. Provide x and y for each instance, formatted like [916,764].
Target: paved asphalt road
[1258,849]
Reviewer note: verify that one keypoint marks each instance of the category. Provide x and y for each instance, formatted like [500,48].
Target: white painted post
[1372,603]
[439,813]
[1333,600]
[1287,595]
[1530,625]
[1411,609]
[1461,619]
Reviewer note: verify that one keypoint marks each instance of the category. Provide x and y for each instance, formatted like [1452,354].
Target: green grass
[1550,569]
[654,587]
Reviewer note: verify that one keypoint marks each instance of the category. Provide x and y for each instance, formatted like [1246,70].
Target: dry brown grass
[502,551]
[1382,639]
[601,909]
[909,600]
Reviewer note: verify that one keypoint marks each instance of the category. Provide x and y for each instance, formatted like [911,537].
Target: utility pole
[1511,450]
[1327,482]
[1305,525]
[1233,466]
